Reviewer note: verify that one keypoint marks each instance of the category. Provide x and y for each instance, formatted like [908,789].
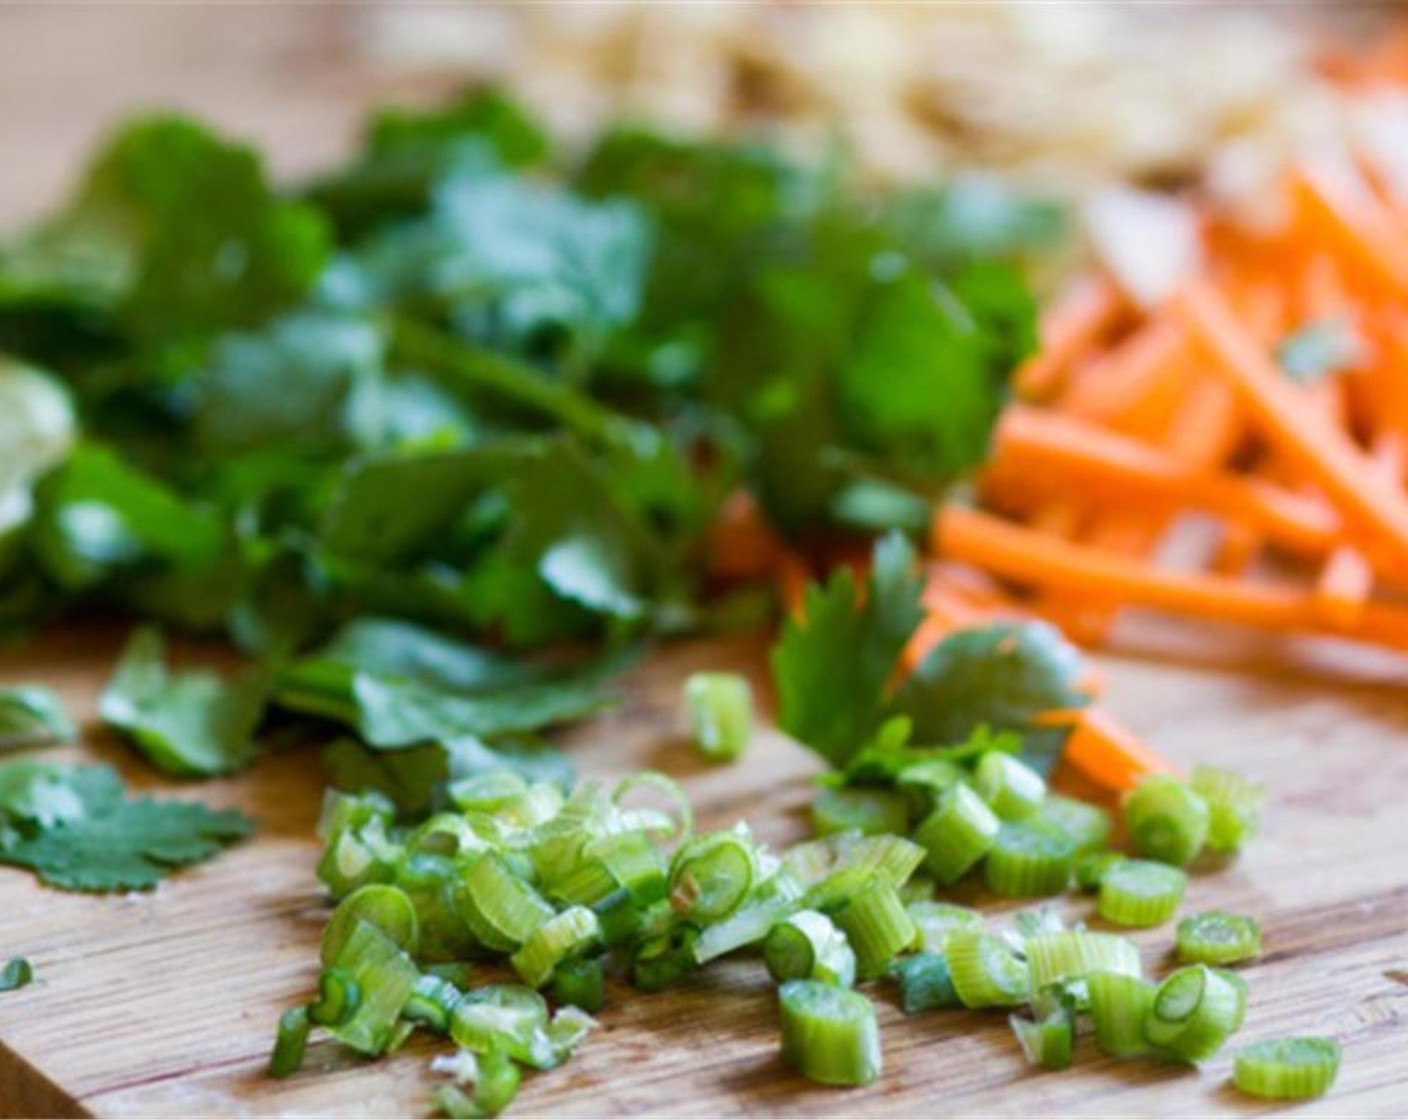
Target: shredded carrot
[1073,323]
[1104,750]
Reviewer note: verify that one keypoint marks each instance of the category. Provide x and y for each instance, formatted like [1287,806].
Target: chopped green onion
[567,1029]
[1135,892]
[1088,826]
[580,983]
[1029,859]
[957,834]
[926,983]
[923,782]
[1166,820]
[1119,1005]
[808,946]
[1243,990]
[877,925]
[1287,1068]
[1036,923]
[986,972]
[872,812]
[635,863]
[651,820]
[843,856]
[385,976]
[1010,787]
[1234,807]
[710,876]
[1194,1012]
[1048,1042]
[829,1033]
[1075,954]
[1090,869]
[747,925]
[1216,937]
[290,1043]
[720,707]
[431,1002]
[618,916]
[338,997]
[920,888]
[563,936]
[507,1018]
[496,1079]
[935,919]
[16,974]
[387,908]
[663,960]
[500,909]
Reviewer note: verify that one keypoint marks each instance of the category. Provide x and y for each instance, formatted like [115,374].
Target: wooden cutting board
[164,1004]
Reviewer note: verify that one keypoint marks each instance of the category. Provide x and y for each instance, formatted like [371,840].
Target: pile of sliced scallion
[568,888]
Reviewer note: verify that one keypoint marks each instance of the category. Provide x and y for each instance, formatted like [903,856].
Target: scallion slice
[877,926]
[711,875]
[1012,788]
[385,977]
[580,983]
[935,919]
[431,1003]
[290,1043]
[748,925]
[1194,1012]
[1166,820]
[635,863]
[663,960]
[1091,868]
[1088,826]
[1234,807]
[500,909]
[563,936]
[506,1018]
[1136,892]
[649,819]
[985,970]
[1075,954]
[872,812]
[1048,1042]
[1119,1005]
[1029,859]
[809,946]
[1216,937]
[926,983]
[496,1081]
[957,834]
[387,908]
[720,707]
[338,997]
[1287,1068]
[829,1033]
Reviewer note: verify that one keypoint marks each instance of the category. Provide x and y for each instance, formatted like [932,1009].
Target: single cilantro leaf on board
[832,663]
[32,716]
[191,723]
[997,676]
[16,974]
[45,793]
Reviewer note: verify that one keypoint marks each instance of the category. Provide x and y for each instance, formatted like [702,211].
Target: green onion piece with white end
[711,875]
[926,983]
[662,961]
[1287,1068]
[829,1033]
[385,977]
[957,834]
[1010,787]
[1218,938]
[1076,954]
[871,812]
[814,862]
[580,983]
[751,923]
[1090,869]
[720,707]
[569,934]
[985,970]
[1234,807]
[500,909]
[934,920]
[431,1003]
[1029,859]
[1119,1005]
[878,927]
[635,863]
[1166,820]
[504,1017]
[1136,892]
[496,1079]
[808,946]
[1088,826]
[338,998]
[290,1043]
[1048,1042]
[387,908]
[1194,1012]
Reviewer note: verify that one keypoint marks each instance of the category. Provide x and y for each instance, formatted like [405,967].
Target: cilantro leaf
[32,716]
[17,973]
[36,430]
[191,723]
[831,664]
[45,793]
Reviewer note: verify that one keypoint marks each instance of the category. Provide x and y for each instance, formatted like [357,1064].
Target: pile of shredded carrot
[1132,419]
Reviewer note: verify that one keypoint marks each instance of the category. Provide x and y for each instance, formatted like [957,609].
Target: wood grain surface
[165,1003]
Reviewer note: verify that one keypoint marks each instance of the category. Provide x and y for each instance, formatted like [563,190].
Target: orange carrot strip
[1104,750]
[1325,454]
[1359,233]
[1072,324]
[1140,379]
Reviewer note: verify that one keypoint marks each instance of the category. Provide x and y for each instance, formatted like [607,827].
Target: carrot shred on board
[1070,326]
[1104,750]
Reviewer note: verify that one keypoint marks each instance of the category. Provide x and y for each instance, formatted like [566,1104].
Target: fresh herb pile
[436,442]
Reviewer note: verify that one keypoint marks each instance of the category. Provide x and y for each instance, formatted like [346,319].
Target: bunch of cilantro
[435,439]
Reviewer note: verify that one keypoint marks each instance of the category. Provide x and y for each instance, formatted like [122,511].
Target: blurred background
[1065,95]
